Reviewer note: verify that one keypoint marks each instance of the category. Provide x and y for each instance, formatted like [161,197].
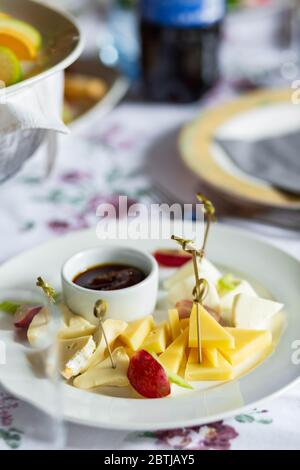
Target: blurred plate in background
[207,160]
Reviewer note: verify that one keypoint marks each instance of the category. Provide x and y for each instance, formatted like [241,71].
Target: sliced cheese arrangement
[227,352]
[219,338]
[215,327]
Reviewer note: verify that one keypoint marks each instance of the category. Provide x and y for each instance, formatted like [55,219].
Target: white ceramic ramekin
[126,304]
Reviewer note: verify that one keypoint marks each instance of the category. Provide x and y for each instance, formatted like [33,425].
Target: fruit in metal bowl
[19,41]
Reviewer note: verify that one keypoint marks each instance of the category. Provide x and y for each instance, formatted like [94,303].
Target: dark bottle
[180,46]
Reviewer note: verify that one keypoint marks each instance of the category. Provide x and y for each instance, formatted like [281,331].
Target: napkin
[275,160]
[28,117]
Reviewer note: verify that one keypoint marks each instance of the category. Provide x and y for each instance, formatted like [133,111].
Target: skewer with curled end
[200,289]
[100,310]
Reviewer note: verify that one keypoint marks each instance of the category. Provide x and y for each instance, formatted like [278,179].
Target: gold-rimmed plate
[205,158]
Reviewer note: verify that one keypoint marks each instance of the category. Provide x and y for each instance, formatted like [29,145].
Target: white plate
[278,272]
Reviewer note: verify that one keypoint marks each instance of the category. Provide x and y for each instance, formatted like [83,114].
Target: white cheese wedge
[113,329]
[104,375]
[38,332]
[212,298]
[206,270]
[253,313]
[74,355]
[183,290]
[227,300]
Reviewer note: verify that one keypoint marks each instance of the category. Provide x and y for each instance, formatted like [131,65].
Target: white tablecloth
[117,156]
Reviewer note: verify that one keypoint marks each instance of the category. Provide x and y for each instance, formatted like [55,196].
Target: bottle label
[183,13]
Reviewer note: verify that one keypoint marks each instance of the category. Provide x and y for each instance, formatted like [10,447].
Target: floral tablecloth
[116,156]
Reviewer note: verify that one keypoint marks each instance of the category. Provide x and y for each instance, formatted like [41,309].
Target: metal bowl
[62,45]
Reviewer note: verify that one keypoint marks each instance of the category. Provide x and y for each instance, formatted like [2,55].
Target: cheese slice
[227,300]
[212,355]
[184,323]
[74,355]
[173,356]
[183,364]
[174,323]
[77,327]
[113,329]
[166,325]
[247,343]
[206,371]
[253,312]
[136,332]
[104,375]
[66,313]
[213,335]
[156,341]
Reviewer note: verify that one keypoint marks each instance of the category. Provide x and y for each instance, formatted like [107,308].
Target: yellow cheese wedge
[156,341]
[76,328]
[172,358]
[183,364]
[184,323]
[129,352]
[113,329]
[213,335]
[212,355]
[104,375]
[68,316]
[118,344]
[74,354]
[206,371]
[136,332]
[168,331]
[174,323]
[247,343]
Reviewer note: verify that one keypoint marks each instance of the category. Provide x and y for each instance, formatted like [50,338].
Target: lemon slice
[23,39]
[10,68]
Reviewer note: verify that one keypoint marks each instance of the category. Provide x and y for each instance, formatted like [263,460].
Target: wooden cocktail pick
[100,310]
[210,216]
[200,289]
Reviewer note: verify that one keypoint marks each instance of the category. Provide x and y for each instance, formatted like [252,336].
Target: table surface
[117,156]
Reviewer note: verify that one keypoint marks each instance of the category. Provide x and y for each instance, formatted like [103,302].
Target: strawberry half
[171,258]
[147,376]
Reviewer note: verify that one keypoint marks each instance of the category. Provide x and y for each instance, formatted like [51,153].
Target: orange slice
[20,37]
